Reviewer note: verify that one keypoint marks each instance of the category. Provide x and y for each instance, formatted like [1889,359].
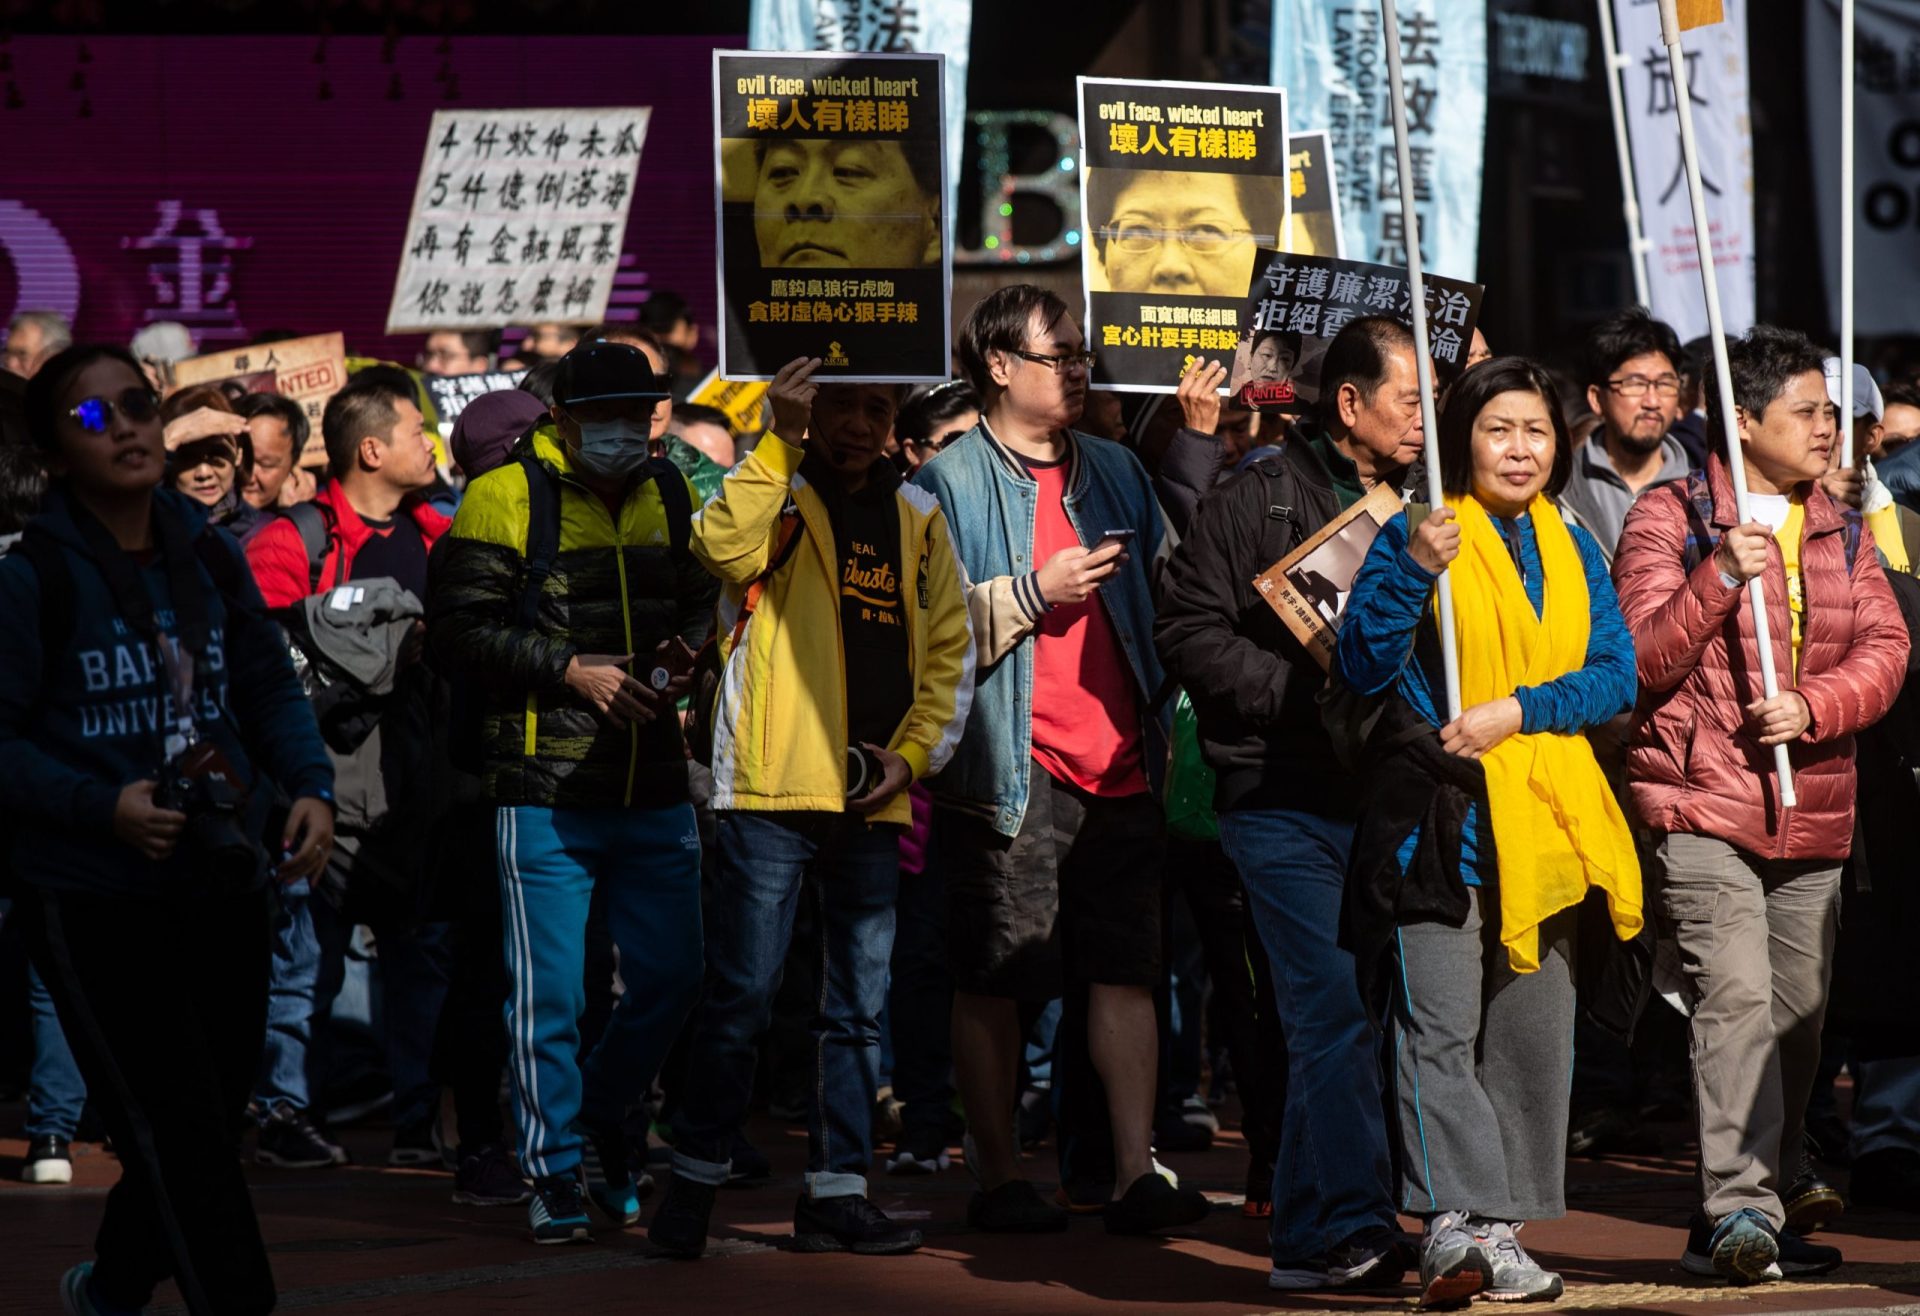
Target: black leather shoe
[1151,1203]
[849,1224]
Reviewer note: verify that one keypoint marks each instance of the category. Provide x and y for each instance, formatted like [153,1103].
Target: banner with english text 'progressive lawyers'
[830,181]
[1180,184]
[1331,57]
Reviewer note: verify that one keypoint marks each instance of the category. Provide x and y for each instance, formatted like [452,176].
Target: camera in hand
[199,782]
[864,771]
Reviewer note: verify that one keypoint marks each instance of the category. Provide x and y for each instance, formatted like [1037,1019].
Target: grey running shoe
[1517,1277]
[1453,1264]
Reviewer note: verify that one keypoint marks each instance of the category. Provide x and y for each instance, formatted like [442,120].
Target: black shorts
[1073,899]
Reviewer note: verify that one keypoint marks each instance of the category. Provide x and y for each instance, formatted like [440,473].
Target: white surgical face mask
[612,448]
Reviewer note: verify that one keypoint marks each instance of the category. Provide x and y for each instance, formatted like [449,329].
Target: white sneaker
[1516,1276]
[49,1161]
[1453,1264]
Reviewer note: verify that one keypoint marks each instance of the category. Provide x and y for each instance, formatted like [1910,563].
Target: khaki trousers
[1755,939]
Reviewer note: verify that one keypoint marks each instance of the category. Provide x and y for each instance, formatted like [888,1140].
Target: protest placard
[308,370]
[1299,304]
[519,215]
[741,399]
[1313,224]
[1309,587]
[830,182]
[1181,182]
[452,393]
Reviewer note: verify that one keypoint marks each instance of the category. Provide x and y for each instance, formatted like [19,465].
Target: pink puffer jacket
[1691,764]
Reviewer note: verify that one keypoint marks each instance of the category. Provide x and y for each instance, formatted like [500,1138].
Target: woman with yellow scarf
[1482,1010]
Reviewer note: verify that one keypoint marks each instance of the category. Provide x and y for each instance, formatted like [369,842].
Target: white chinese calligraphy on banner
[1717,85]
[1886,156]
[518,215]
[1330,55]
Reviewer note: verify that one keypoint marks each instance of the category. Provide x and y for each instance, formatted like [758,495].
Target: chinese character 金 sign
[1181,183]
[1299,305]
[1313,226]
[452,393]
[830,186]
[1331,57]
[518,215]
[1717,85]
[308,370]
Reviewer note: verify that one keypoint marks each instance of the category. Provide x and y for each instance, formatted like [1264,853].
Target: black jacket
[1189,470]
[1253,685]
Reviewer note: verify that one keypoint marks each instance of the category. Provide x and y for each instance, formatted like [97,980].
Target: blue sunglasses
[136,404]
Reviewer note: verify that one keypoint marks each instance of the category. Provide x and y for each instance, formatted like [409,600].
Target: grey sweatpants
[1755,938]
[1482,1063]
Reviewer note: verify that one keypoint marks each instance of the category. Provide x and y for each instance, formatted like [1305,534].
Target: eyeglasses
[1061,363]
[1202,239]
[1636,386]
[136,404]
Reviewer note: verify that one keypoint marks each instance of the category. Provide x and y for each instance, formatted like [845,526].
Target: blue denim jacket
[988,497]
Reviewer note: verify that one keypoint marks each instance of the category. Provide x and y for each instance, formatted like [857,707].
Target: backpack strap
[786,539]
[1851,522]
[675,499]
[543,535]
[315,525]
[1696,504]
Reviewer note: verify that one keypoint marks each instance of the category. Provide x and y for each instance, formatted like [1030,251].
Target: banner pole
[1638,248]
[1847,453]
[1423,358]
[1730,428]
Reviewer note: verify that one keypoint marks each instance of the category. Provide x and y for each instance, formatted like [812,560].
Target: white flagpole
[1423,359]
[1846,233]
[1736,459]
[1638,247]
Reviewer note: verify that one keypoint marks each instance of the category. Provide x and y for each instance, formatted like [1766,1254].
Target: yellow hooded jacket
[780,726]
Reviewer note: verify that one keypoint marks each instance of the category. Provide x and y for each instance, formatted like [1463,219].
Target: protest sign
[1717,85]
[830,184]
[1180,183]
[518,215]
[741,399]
[1299,304]
[1309,587]
[308,370]
[1313,224]
[1330,56]
[452,393]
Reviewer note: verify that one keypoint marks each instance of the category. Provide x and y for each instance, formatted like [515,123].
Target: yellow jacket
[780,726]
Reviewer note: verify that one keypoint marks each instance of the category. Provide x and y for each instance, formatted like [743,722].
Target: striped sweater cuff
[1026,592]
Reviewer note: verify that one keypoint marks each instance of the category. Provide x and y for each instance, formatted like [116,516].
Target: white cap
[1866,393]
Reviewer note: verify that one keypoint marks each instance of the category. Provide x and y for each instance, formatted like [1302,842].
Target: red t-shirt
[1086,710]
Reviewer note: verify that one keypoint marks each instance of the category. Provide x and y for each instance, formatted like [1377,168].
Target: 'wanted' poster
[830,174]
[1299,305]
[308,370]
[1181,183]
[518,217]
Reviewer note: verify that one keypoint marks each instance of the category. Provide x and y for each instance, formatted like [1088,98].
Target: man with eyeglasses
[1051,842]
[1633,381]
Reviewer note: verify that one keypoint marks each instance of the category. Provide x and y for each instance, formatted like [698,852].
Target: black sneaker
[849,1224]
[920,1151]
[747,1164]
[415,1144]
[558,1213]
[49,1160]
[489,1177]
[290,1141]
[610,1185]
[1172,1132]
[1015,1207]
[1374,1258]
[1811,1203]
[1151,1203]
[1887,1180]
[1798,1257]
[680,1221]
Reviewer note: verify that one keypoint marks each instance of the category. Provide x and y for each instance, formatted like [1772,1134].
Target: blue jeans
[647,863]
[294,972]
[56,1093]
[1332,1176]
[856,871]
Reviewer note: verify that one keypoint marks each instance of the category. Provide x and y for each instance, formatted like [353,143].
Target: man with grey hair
[32,339]
[159,348]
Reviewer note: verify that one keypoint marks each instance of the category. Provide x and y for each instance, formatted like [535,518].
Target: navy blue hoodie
[78,725]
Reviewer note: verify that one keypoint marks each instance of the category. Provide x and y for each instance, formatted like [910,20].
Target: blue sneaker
[556,1214]
[610,1185]
[1744,1248]
[77,1296]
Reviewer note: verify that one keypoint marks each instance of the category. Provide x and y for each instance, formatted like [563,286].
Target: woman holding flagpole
[1477,875]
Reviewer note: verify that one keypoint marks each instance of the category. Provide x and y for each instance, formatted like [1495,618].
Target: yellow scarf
[1556,825]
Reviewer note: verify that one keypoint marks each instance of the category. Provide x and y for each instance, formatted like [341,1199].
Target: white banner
[1717,84]
[879,27]
[1331,57]
[519,216]
[1886,158]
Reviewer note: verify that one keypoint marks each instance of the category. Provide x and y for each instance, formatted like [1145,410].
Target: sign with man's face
[831,182]
[1181,183]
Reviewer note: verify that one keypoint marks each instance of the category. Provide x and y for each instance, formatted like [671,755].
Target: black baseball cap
[601,371]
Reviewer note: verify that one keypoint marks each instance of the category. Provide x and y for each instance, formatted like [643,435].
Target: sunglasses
[136,404]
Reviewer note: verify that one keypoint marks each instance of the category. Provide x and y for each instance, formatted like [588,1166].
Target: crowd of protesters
[663,767]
